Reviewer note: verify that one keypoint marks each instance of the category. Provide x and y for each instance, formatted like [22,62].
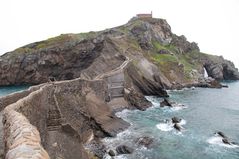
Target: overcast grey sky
[213,24]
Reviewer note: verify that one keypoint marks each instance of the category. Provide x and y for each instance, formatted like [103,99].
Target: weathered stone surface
[22,140]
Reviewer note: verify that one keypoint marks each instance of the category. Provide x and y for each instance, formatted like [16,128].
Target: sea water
[11,89]
[206,111]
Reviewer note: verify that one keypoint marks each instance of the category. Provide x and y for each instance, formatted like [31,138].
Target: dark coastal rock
[137,100]
[145,141]
[215,84]
[166,102]
[123,149]
[97,148]
[176,120]
[111,153]
[177,127]
[226,141]
[221,134]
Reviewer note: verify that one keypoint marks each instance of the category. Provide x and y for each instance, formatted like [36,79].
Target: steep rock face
[144,84]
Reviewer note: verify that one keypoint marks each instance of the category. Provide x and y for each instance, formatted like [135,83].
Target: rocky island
[81,80]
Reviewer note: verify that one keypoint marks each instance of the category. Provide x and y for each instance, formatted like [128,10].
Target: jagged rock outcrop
[183,45]
[221,69]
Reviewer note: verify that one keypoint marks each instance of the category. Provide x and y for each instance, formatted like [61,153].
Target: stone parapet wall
[22,139]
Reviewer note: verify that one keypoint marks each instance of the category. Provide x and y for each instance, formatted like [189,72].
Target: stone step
[117,95]
[54,128]
[117,87]
[54,120]
[50,121]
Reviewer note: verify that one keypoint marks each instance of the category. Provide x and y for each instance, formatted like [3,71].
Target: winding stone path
[118,69]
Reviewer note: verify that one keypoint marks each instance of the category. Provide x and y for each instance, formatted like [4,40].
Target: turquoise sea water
[208,111]
[11,89]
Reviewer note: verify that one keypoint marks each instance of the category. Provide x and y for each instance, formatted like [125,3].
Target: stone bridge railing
[21,138]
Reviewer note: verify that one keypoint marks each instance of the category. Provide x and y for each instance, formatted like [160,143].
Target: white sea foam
[115,157]
[182,122]
[178,107]
[153,100]
[123,113]
[168,126]
[217,140]
[165,126]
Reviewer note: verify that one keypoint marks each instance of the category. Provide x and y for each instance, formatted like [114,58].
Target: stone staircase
[116,85]
[116,90]
[54,120]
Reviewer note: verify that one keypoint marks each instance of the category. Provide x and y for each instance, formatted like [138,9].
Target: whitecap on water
[165,126]
[153,100]
[178,107]
[115,157]
[123,113]
[168,126]
[183,122]
[217,140]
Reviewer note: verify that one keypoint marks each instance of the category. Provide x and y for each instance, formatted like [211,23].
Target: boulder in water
[176,120]
[145,141]
[111,153]
[166,102]
[123,149]
[226,141]
[177,127]
[221,134]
